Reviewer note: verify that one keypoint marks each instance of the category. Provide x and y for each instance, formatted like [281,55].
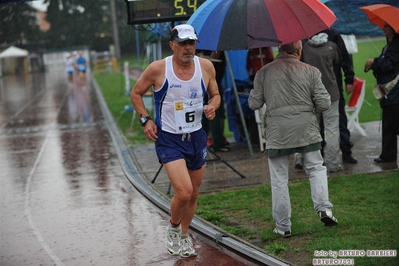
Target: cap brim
[185,39]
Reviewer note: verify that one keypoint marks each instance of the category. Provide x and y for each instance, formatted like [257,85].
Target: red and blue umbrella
[224,25]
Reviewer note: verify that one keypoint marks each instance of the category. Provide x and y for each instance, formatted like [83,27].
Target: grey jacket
[324,56]
[293,93]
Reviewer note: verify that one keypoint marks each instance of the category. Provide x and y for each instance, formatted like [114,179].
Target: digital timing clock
[154,11]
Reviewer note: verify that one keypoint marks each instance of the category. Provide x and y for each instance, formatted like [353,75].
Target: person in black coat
[385,69]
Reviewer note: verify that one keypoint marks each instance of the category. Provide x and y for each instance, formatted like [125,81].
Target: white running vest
[179,103]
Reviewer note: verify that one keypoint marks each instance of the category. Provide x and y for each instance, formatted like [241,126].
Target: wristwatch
[144,120]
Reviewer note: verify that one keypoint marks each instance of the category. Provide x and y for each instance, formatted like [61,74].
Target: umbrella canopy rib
[214,26]
[261,29]
[235,26]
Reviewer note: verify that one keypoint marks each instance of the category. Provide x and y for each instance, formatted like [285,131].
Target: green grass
[112,87]
[366,206]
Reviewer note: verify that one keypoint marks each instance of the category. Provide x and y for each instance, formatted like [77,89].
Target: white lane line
[28,213]
[36,231]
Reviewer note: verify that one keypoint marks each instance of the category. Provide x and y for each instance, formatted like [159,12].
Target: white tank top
[179,103]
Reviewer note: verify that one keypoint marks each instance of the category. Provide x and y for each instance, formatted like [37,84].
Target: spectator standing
[385,69]
[293,93]
[323,54]
[257,58]
[346,66]
[217,124]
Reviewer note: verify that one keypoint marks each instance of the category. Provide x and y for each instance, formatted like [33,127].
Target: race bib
[81,67]
[188,115]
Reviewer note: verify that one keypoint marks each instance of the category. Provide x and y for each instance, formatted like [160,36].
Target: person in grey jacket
[323,54]
[294,94]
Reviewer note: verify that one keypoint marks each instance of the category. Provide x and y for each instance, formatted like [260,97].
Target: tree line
[73,23]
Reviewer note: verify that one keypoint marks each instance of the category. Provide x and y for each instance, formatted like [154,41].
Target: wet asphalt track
[65,199]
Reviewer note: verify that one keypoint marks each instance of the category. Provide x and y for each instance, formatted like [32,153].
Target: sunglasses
[187,42]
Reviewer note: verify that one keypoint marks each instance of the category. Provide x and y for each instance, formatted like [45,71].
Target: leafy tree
[79,22]
[89,22]
[126,32]
[18,24]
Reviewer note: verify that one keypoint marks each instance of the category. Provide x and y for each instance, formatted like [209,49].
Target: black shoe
[298,162]
[348,158]
[328,218]
[225,141]
[282,233]
[380,160]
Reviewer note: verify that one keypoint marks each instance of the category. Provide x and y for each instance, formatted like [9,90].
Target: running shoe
[187,249]
[172,244]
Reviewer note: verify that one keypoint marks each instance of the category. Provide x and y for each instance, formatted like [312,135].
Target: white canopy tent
[12,58]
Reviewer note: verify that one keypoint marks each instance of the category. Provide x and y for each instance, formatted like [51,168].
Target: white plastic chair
[259,121]
[354,105]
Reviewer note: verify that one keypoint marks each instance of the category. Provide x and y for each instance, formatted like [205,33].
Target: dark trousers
[390,132]
[216,125]
[345,144]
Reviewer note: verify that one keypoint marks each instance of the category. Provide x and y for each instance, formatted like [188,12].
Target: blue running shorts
[190,147]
